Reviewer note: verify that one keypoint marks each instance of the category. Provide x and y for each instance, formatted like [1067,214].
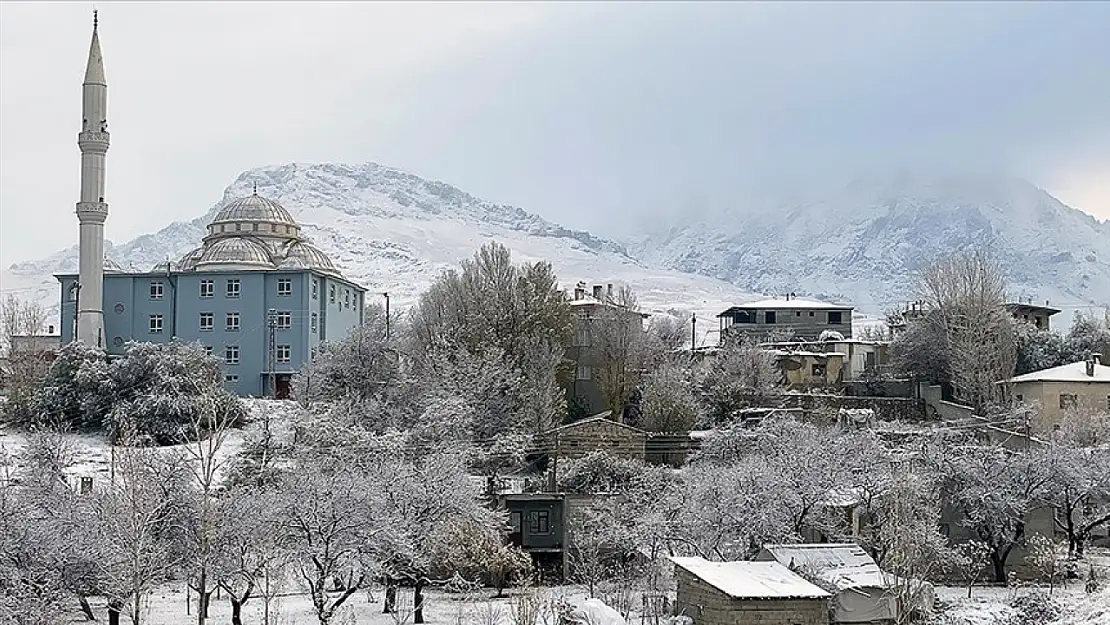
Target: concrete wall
[707,605]
[805,323]
[129,305]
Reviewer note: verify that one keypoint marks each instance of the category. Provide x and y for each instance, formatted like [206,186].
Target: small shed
[597,433]
[736,593]
[865,593]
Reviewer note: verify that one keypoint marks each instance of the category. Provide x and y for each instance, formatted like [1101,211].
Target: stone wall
[707,605]
[886,408]
[580,439]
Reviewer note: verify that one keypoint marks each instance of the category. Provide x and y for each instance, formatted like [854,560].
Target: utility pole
[271,324]
[693,333]
[386,296]
[75,289]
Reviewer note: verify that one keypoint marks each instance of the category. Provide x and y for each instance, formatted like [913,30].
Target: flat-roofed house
[806,319]
[736,593]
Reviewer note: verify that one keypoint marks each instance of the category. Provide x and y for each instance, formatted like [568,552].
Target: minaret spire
[92,211]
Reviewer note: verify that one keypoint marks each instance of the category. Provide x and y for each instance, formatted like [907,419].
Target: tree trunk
[418,602]
[113,615]
[390,603]
[236,612]
[999,564]
[86,608]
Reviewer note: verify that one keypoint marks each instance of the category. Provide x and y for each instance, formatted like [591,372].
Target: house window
[514,521]
[315,321]
[207,288]
[811,313]
[314,288]
[312,354]
[769,317]
[1108,402]
[1068,401]
[207,350]
[743,316]
[798,314]
[231,379]
[283,353]
[347,297]
[836,318]
[157,289]
[273,227]
[331,294]
[233,288]
[539,522]
[285,286]
[156,324]
[819,370]
[1019,398]
[206,321]
[231,354]
[583,372]
[231,323]
[582,338]
[284,320]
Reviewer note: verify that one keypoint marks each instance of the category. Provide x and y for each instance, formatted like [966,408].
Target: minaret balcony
[92,212]
[93,141]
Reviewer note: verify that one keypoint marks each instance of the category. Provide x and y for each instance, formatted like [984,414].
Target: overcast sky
[593,115]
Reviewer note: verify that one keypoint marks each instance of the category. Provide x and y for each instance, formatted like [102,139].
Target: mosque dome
[254,215]
[235,253]
[188,262]
[301,255]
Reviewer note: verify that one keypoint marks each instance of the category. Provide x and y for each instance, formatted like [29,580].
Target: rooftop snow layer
[1074,372]
[751,580]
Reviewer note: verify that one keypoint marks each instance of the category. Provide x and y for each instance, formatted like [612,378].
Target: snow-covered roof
[846,565]
[751,580]
[1074,372]
[791,304]
[604,417]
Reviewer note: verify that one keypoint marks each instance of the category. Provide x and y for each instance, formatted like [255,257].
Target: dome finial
[255,188]
[94,20]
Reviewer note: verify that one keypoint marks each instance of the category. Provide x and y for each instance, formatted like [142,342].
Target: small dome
[235,253]
[254,208]
[188,262]
[301,255]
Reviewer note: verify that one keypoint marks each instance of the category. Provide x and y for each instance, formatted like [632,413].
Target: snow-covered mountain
[394,232]
[865,243]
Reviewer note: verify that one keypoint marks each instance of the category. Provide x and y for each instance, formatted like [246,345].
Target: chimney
[1096,358]
[579,290]
[598,291]
[1091,362]
[609,290]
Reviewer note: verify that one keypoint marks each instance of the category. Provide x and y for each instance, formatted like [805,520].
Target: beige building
[738,593]
[805,319]
[1079,387]
[858,356]
[600,325]
[808,369]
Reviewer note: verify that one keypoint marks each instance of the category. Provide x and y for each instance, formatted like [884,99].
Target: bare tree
[740,371]
[616,338]
[966,292]
[20,317]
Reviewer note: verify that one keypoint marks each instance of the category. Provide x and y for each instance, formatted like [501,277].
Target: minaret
[92,211]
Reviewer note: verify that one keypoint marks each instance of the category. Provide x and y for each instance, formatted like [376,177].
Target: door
[284,387]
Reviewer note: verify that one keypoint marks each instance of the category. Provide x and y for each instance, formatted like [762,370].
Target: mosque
[255,293]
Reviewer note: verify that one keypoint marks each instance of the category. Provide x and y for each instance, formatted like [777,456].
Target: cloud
[600,115]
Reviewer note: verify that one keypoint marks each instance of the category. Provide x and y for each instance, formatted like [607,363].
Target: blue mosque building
[255,293]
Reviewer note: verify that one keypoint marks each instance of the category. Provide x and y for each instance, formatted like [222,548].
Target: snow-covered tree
[366,364]
[617,347]
[918,351]
[1078,490]
[669,404]
[739,371]
[251,559]
[76,390]
[1088,335]
[1037,348]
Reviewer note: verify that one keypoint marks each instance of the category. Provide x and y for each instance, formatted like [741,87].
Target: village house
[1039,316]
[858,356]
[804,319]
[1078,388]
[596,433]
[864,592]
[803,369]
[537,524]
[596,314]
[734,593]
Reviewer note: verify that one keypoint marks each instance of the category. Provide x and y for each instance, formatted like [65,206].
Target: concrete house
[537,524]
[865,593]
[596,316]
[738,593]
[1077,387]
[807,319]
[1039,316]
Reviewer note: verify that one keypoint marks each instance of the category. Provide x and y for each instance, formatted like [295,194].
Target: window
[233,288]
[206,321]
[945,530]
[314,288]
[819,370]
[207,350]
[769,317]
[811,313]
[331,294]
[156,324]
[207,288]
[582,338]
[744,316]
[284,352]
[315,320]
[583,373]
[1068,401]
[285,286]
[1019,398]
[539,522]
[347,297]
[836,318]
[1108,402]
[284,320]
[157,289]
[514,521]
[312,354]
[231,323]
[231,354]
[231,379]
